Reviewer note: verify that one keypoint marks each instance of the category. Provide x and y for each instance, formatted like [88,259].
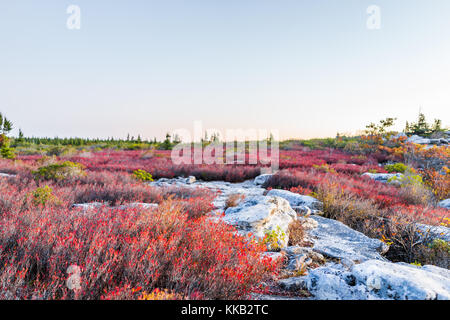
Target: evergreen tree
[167,145]
[5,125]
[422,128]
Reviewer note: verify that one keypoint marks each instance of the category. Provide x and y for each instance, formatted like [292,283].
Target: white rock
[301,257]
[96,205]
[375,279]
[382,177]
[6,175]
[334,239]
[438,141]
[261,179]
[138,205]
[445,204]
[190,179]
[258,296]
[261,214]
[89,206]
[418,139]
[302,210]
[293,283]
[402,281]
[296,199]
[434,232]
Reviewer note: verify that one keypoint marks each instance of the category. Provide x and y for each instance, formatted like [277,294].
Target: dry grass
[296,233]
[234,200]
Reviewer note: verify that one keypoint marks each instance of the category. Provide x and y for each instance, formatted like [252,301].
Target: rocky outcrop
[430,233]
[302,257]
[296,200]
[418,139]
[138,205]
[190,180]
[334,239]
[374,279]
[260,215]
[88,206]
[95,205]
[444,204]
[426,141]
[6,175]
[261,179]
[335,261]
[383,177]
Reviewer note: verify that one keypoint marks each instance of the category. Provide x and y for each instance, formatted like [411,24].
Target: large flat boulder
[296,200]
[402,281]
[444,204]
[382,177]
[334,239]
[374,280]
[96,205]
[261,179]
[418,139]
[260,215]
[6,175]
[138,205]
[434,232]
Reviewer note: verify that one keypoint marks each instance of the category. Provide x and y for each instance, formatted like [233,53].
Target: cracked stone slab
[336,240]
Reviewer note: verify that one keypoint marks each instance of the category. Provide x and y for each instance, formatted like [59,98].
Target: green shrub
[136,146]
[7,153]
[409,178]
[397,167]
[142,175]
[42,196]
[422,128]
[274,239]
[436,253]
[5,150]
[440,245]
[412,188]
[61,151]
[353,146]
[59,171]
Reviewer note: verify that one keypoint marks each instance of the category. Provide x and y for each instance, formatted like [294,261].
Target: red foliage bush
[118,251]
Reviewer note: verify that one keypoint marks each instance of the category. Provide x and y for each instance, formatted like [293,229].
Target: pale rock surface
[444,204]
[190,180]
[261,179]
[296,200]
[260,215]
[373,280]
[6,175]
[382,177]
[138,205]
[334,239]
[89,206]
[434,232]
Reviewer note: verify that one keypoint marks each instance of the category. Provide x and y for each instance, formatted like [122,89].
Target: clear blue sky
[307,68]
